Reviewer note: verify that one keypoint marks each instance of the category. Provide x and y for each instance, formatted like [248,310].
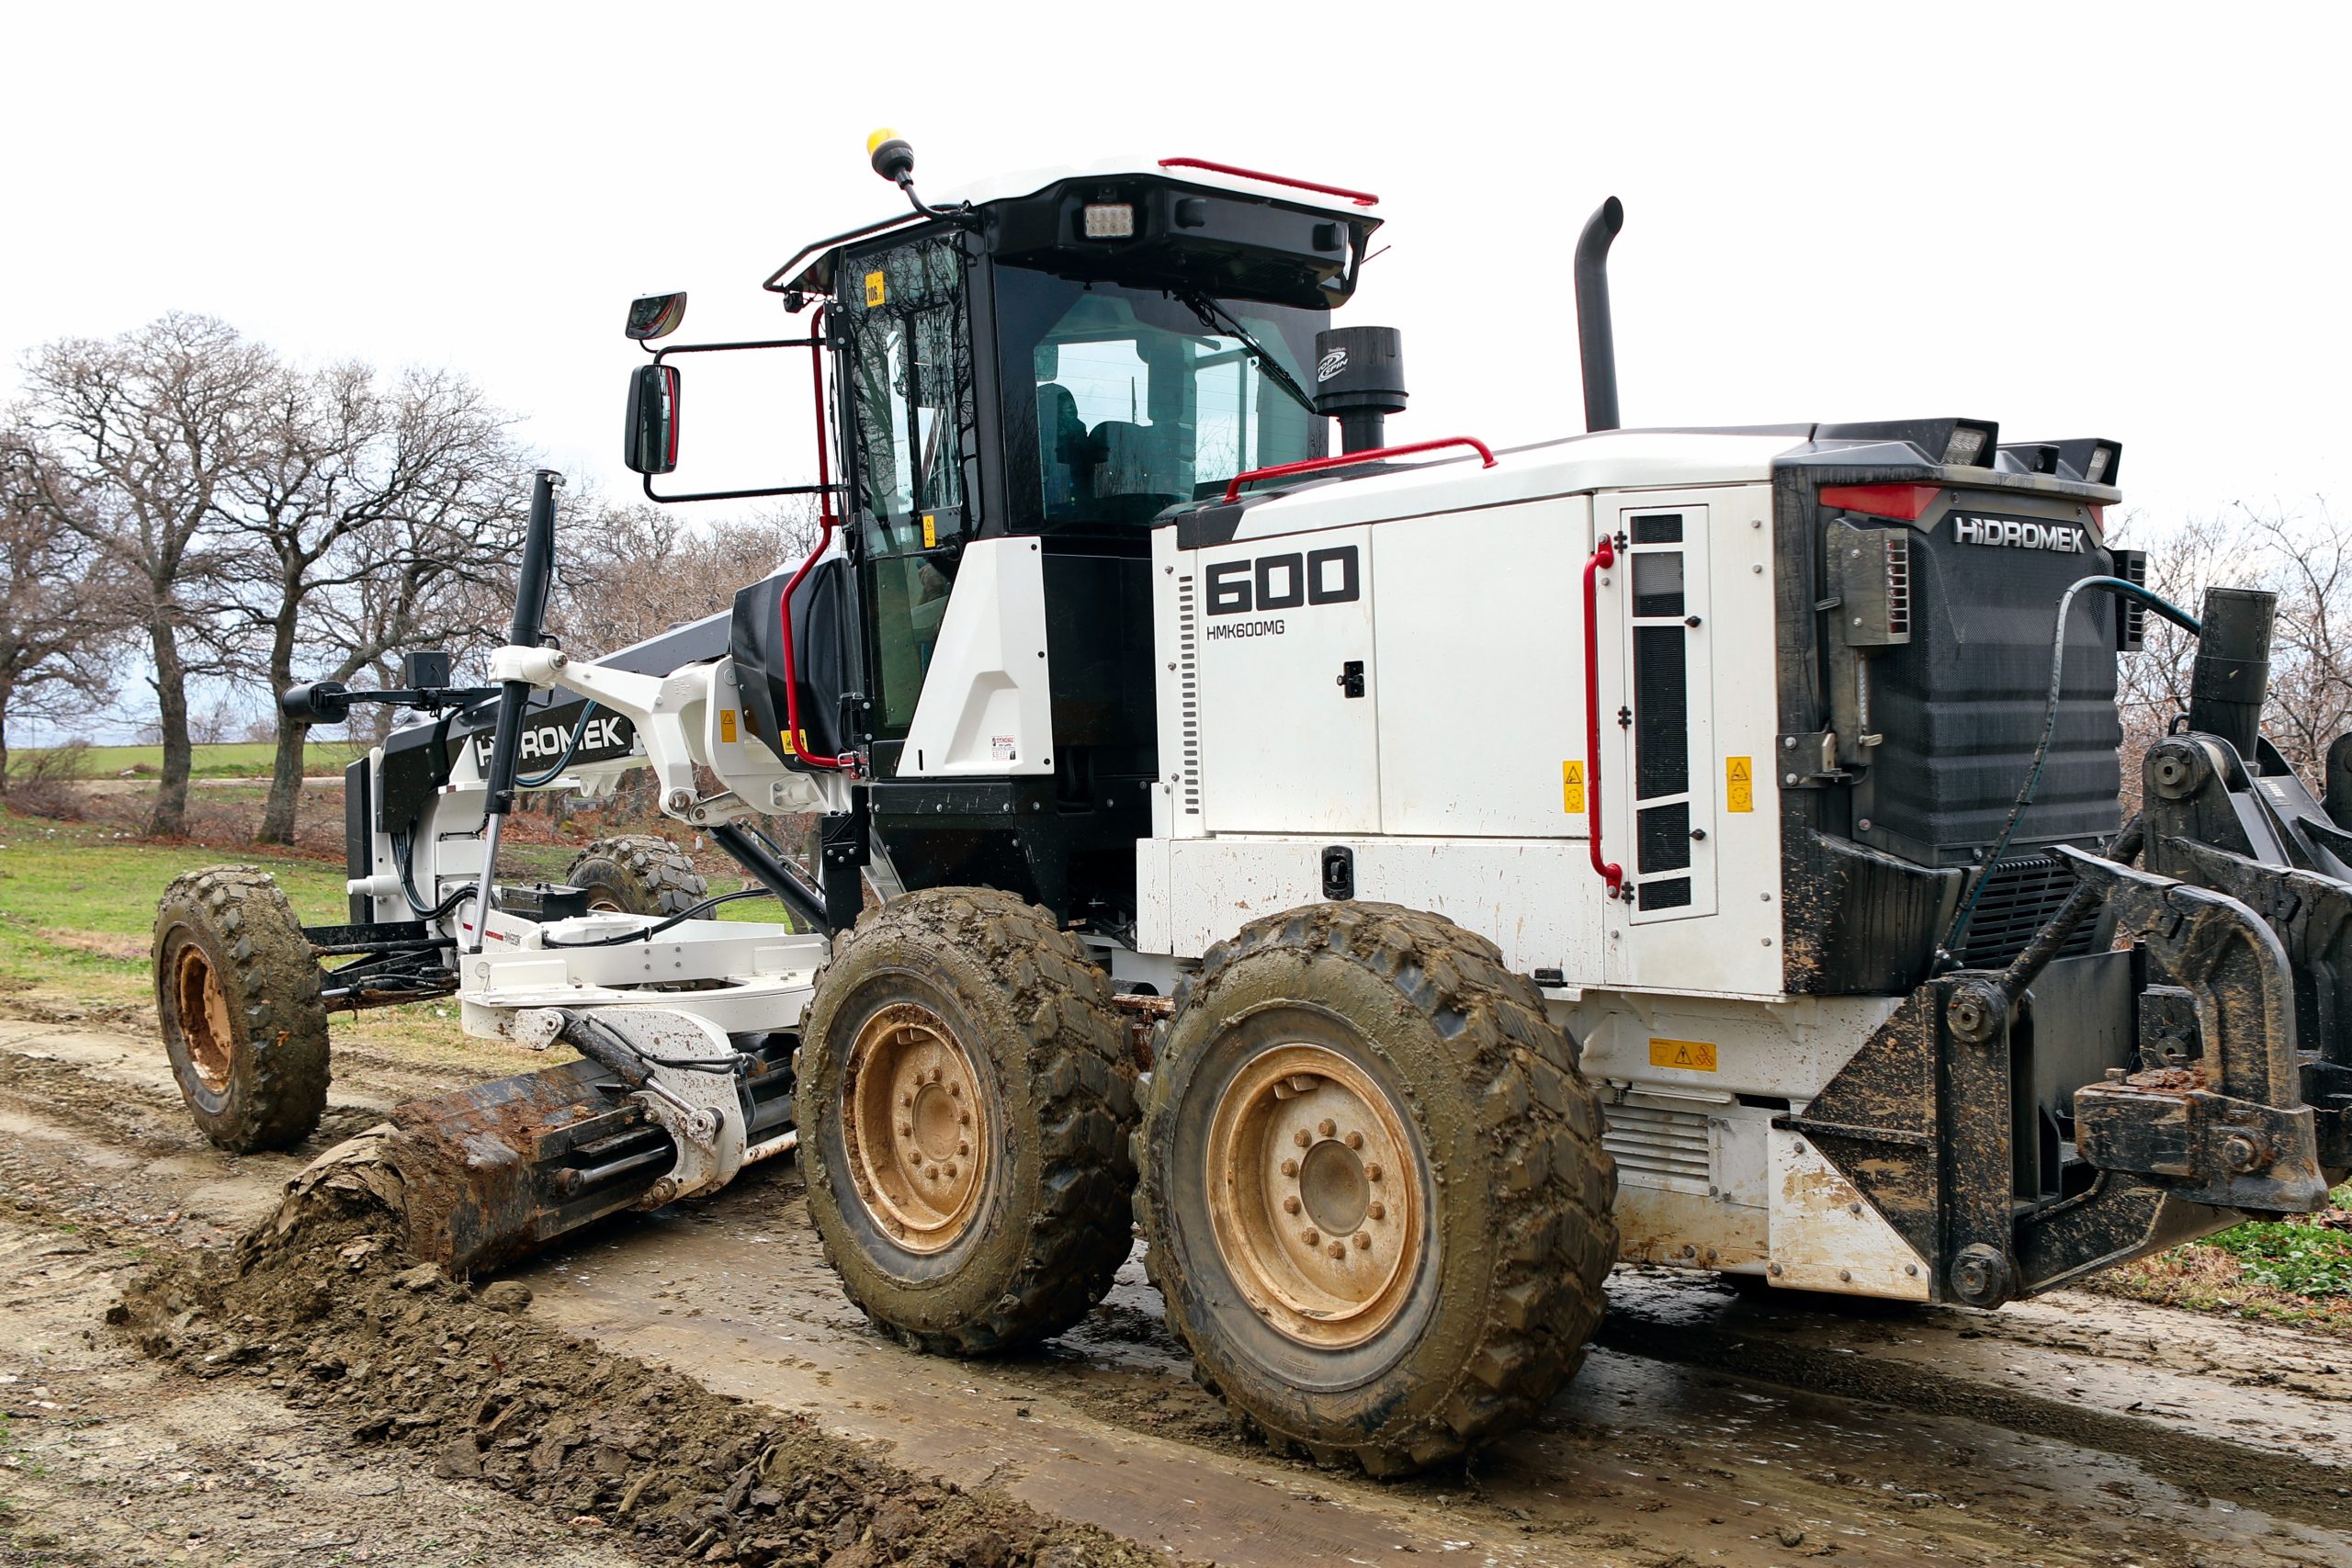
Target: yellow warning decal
[930,532]
[1739,784]
[727,726]
[875,293]
[1572,787]
[1691,1055]
[786,735]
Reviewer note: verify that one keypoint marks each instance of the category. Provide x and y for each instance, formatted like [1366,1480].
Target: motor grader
[1397,881]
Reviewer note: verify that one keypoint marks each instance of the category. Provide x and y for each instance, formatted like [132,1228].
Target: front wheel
[1373,1187]
[967,1108]
[237,991]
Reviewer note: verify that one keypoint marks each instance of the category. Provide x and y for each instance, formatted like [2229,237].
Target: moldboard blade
[496,1171]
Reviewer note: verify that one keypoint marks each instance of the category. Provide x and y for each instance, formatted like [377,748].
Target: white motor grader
[1400,881]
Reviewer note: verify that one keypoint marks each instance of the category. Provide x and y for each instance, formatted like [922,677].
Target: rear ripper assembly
[1786,923]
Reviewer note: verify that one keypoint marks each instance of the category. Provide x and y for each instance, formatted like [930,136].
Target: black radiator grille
[2021,895]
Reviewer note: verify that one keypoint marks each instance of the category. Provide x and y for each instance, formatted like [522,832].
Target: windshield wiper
[1217,319]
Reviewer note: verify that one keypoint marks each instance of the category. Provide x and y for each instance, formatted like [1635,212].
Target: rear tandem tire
[238,994]
[1374,1192]
[638,874]
[968,1105]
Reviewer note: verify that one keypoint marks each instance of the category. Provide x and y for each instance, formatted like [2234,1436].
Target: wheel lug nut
[1302,1137]
[1379,1210]
[1364,1241]
[1290,1205]
[1310,1236]
[905,1101]
[951,1173]
[1290,1168]
[906,1130]
[956,1090]
[1372,1171]
[1355,1140]
[962,1147]
[1326,1126]
[1338,1249]
[963,1118]
[915,1157]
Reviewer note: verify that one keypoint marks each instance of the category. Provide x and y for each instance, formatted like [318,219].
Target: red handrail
[792,734]
[1604,554]
[1361,198]
[1350,459]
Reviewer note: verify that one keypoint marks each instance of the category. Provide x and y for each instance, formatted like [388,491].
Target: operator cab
[1057,359]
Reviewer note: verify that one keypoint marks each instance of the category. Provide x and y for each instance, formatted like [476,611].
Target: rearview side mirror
[655,315]
[651,441]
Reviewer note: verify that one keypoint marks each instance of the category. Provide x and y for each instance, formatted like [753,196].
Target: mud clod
[505,1295]
[316,1301]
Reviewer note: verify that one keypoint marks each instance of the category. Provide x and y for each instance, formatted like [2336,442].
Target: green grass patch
[77,904]
[2298,1257]
[234,760]
[2295,1272]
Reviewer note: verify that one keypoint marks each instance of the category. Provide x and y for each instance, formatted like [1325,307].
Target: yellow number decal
[875,293]
[1739,784]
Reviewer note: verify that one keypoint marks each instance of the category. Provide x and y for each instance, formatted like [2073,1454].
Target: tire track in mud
[2282,1483]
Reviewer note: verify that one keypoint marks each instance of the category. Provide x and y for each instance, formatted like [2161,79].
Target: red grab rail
[1350,459]
[1361,198]
[825,521]
[1604,554]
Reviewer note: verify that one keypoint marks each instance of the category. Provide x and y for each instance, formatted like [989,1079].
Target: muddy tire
[1374,1192]
[638,874]
[238,994]
[967,1108]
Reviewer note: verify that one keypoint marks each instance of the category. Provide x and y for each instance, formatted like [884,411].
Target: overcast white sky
[2125,220]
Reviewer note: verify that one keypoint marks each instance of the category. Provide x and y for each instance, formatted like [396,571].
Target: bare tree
[59,609]
[2303,556]
[361,521]
[631,570]
[143,429]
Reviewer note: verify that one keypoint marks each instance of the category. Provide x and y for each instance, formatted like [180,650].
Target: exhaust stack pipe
[1596,340]
[2232,675]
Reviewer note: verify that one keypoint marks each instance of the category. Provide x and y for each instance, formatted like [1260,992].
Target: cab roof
[1184,205]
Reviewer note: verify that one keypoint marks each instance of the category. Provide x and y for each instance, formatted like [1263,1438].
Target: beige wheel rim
[204,1018]
[916,1126]
[1314,1196]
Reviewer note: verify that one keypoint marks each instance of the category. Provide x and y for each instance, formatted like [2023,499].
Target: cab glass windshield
[1120,403]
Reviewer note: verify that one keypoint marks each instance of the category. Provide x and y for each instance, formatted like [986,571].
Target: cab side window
[912,430]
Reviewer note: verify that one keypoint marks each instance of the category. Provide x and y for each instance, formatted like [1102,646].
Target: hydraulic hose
[1950,947]
[649,932]
[541,781]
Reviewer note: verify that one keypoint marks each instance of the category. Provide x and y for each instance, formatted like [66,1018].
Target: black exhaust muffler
[1596,338]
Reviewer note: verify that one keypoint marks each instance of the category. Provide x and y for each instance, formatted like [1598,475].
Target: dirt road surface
[1713,1424]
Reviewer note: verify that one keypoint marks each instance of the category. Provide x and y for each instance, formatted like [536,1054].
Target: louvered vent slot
[1188,677]
[1898,585]
[2021,895]
[2136,615]
[1656,1147]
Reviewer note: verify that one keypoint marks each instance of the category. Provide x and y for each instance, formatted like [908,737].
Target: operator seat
[1065,453]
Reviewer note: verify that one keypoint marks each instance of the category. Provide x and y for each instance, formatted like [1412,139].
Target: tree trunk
[169,819]
[5,691]
[285,769]
[285,783]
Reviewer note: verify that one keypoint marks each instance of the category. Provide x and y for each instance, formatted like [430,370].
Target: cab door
[1662,826]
